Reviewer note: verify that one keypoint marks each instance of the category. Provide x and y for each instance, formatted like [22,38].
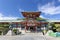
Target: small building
[55,25]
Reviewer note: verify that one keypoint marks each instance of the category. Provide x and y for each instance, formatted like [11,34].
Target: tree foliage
[40,19]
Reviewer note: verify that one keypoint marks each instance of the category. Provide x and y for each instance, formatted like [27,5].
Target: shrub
[15,31]
[0,32]
[58,29]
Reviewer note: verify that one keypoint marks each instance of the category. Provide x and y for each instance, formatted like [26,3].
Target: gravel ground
[29,36]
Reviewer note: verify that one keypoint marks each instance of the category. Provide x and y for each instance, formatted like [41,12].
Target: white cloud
[2,17]
[8,18]
[21,10]
[59,0]
[41,16]
[49,8]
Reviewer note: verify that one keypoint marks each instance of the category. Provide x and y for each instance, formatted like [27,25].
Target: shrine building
[30,22]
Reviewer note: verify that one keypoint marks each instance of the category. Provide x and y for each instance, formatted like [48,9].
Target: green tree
[40,19]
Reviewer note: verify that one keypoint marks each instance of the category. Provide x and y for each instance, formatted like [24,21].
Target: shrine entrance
[31,28]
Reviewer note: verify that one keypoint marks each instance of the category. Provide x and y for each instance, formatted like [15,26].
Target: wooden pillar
[16,25]
[25,28]
[35,27]
[2,33]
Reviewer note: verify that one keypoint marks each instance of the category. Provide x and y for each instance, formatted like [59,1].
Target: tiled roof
[53,20]
[11,20]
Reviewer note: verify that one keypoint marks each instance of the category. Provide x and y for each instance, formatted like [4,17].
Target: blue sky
[12,8]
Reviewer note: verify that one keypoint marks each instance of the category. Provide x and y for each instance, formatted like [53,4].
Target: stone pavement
[29,36]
